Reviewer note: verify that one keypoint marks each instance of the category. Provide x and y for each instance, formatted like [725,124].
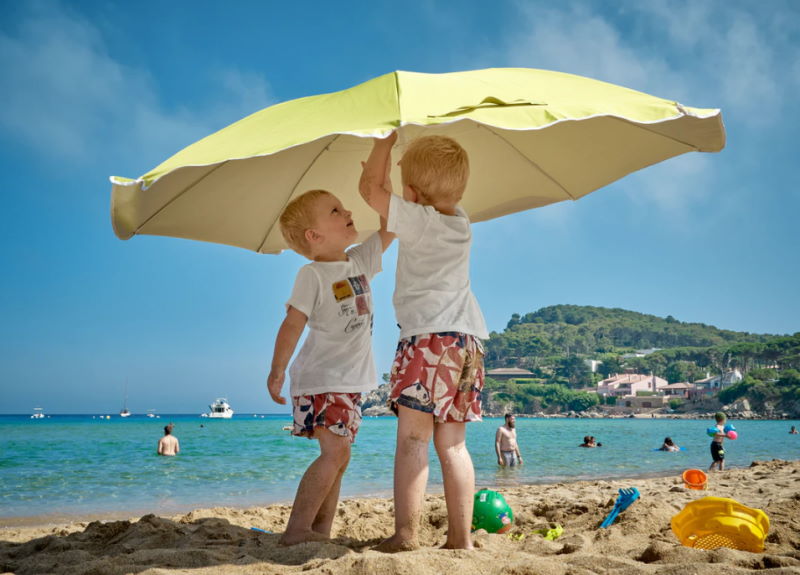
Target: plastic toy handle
[626,497]
[611,516]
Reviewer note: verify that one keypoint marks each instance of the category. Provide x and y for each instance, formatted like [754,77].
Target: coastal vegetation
[557,343]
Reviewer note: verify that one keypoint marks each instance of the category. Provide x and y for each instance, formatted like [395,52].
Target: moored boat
[220,409]
[124,411]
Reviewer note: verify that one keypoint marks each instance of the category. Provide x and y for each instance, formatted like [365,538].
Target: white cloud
[748,72]
[69,99]
[248,90]
[579,41]
[729,55]
[735,54]
[732,55]
[673,186]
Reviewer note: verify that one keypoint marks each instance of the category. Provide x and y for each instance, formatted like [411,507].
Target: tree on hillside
[574,371]
[611,363]
[681,370]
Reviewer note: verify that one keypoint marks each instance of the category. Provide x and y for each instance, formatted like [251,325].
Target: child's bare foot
[294,538]
[468,546]
[396,544]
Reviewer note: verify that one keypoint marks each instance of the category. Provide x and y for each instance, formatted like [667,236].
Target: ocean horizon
[73,465]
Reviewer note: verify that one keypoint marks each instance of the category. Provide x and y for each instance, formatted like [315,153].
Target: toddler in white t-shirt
[437,374]
[332,296]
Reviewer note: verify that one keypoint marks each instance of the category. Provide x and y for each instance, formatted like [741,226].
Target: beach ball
[491,512]
[712,431]
[732,434]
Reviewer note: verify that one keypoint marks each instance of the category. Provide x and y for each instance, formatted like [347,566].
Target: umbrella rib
[294,187]
[186,189]
[530,161]
[660,134]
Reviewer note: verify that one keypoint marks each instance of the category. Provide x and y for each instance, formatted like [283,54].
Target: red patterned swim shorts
[339,413]
[440,374]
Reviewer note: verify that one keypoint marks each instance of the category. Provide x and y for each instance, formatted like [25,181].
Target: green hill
[572,329]
[555,342]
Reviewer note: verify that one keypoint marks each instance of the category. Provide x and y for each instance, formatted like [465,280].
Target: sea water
[73,465]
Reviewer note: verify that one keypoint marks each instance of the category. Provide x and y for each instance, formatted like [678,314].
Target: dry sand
[220,540]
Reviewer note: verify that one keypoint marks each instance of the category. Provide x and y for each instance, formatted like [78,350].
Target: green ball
[491,512]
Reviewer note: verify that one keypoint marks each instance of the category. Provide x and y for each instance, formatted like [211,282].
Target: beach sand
[220,540]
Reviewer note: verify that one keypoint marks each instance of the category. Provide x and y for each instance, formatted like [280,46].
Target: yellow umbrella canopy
[534,137]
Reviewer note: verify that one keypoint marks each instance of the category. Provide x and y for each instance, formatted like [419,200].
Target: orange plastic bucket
[695,479]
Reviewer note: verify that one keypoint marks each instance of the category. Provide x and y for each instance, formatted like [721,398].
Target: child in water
[717,450]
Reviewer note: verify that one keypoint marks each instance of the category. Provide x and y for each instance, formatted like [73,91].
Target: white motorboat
[38,413]
[220,409]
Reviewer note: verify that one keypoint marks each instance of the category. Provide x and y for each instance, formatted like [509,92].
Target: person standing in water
[505,443]
[168,445]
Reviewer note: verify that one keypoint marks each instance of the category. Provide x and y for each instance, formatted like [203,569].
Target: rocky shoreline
[374,405]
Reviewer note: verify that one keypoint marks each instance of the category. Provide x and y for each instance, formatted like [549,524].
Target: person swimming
[669,445]
[589,441]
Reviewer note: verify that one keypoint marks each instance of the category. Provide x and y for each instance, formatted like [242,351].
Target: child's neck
[446,209]
[332,256]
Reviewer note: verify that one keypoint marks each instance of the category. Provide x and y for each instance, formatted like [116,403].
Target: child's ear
[412,193]
[312,236]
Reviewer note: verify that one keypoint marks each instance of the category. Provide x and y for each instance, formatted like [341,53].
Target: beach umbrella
[534,137]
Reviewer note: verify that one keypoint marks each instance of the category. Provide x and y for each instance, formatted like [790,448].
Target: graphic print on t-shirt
[358,309]
[342,290]
[357,322]
[359,283]
[362,305]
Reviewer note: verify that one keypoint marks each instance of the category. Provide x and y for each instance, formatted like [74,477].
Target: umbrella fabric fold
[534,137]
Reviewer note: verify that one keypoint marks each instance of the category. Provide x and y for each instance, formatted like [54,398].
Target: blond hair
[297,217]
[437,167]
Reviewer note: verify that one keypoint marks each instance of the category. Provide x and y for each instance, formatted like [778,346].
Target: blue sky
[94,89]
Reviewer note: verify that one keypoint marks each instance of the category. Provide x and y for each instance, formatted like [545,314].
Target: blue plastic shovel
[626,497]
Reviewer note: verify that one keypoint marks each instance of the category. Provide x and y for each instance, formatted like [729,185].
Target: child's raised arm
[290,331]
[375,186]
[386,236]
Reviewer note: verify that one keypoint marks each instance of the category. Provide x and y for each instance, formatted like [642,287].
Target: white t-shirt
[432,292]
[335,296]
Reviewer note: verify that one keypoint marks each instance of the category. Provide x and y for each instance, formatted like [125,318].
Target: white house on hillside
[678,390]
[593,364]
[641,353]
[506,373]
[625,384]
[718,382]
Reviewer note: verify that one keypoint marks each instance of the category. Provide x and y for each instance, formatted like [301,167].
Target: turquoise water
[77,465]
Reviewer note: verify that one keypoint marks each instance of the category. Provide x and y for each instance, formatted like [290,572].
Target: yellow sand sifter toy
[713,522]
